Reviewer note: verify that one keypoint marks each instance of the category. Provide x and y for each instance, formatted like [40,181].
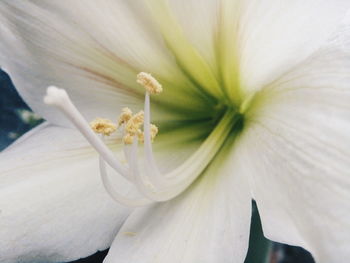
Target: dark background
[16,118]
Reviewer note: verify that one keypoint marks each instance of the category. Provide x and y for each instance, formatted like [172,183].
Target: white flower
[281,66]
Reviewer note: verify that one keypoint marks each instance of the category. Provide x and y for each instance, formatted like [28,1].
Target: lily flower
[255,105]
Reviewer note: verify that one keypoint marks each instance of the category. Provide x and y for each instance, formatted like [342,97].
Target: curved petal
[93,50]
[199,24]
[208,223]
[53,206]
[297,140]
[274,36]
[187,56]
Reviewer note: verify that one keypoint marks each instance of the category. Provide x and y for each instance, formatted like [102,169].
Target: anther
[153,132]
[134,124]
[141,136]
[103,126]
[125,116]
[128,138]
[149,83]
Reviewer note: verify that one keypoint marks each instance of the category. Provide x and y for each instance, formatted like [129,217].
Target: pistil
[60,99]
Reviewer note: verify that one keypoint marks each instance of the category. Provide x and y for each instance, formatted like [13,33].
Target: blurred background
[16,118]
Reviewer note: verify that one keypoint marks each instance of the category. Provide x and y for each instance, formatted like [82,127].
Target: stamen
[141,136]
[134,124]
[125,116]
[149,83]
[154,132]
[59,98]
[151,166]
[128,138]
[179,179]
[114,194]
[103,126]
[142,183]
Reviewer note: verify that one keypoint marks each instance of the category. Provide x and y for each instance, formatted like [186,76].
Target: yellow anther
[128,138]
[140,136]
[125,116]
[149,83]
[103,126]
[153,133]
[134,124]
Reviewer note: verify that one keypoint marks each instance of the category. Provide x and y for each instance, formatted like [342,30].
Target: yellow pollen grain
[149,83]
[125,116]
[153,133]
[103,126]
[128,138]
[140,136]
[134,124]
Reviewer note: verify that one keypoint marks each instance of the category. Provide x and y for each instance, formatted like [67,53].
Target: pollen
[149,83]
[103,126]
[130,234]
[125,116]
[153,133]
[128,138]
[134,124]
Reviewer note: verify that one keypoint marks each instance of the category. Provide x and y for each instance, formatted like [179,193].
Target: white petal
[208,223]
[53,206]
[181,42]
[199,24]
[297,142]
[94,50]
[276,35]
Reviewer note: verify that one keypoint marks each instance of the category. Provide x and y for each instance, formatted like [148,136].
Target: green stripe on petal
[188,58]
[227,50]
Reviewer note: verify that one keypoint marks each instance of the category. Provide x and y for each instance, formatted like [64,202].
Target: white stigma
[55,96]
[60,99]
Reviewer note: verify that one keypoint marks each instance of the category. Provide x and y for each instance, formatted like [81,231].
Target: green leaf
[259,247]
